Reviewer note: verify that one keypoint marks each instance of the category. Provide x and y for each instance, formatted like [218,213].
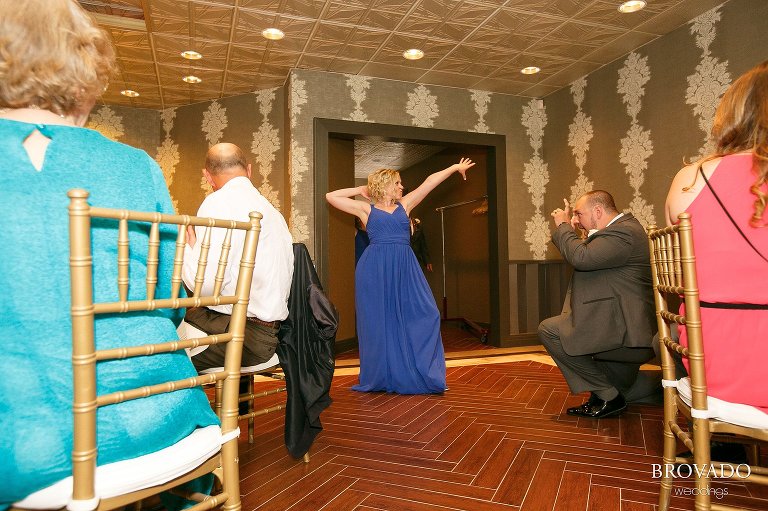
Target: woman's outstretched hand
[463,166]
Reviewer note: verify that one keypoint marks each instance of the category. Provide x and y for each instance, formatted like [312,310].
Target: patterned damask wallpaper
[627,127]
[630,126]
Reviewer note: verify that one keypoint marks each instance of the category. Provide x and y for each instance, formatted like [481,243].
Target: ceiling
[474,44]
[372,155]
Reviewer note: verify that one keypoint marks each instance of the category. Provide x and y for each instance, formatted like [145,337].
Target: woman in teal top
[52,68]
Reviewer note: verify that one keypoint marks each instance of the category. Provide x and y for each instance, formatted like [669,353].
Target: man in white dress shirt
[234,197]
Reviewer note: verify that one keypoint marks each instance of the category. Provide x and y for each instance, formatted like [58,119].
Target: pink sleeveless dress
[729,271]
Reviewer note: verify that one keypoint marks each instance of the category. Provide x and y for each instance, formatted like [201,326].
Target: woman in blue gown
[398,323]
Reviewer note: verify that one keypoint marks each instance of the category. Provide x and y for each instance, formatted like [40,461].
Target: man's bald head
[225,158]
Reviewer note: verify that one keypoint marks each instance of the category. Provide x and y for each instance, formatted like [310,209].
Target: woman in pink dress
[726,193]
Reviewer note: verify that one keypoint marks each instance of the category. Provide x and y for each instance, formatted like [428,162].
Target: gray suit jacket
[611,291]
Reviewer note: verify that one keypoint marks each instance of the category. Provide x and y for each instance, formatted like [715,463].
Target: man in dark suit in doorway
[606,329]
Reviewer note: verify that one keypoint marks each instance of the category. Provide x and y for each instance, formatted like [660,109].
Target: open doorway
[475,245]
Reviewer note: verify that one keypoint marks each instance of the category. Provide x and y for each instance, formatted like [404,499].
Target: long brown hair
[741,124]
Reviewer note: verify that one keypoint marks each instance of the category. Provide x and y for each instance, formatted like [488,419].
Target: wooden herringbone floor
[497,440]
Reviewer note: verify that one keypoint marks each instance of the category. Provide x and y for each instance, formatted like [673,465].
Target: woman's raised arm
[343,200]
[413,199]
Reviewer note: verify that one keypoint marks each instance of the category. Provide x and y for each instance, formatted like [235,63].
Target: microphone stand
[476,329]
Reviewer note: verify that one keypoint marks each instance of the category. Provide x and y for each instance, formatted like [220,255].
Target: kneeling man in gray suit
[606,329]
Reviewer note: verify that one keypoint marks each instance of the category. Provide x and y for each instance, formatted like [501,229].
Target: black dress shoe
[593,399]
[602,409]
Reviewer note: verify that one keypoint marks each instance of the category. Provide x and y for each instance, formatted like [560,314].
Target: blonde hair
[741,124]
[379,181]
[52,56]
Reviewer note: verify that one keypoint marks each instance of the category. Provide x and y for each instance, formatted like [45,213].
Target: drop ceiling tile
[461,80]
[345,12]
[244,53]
[129,38]
[314,62]
[392,72]
[560,48]
[491,38]
[437,10]
[138,66]
[332,32]
[463,66]
[254,21]
[211,31]
[471,13]
[324,47]
[526,23]
[164,9]
[398,6]
[170,26]
[454,32]
[562,8]
[126,52]
[384,20]
[249,66]
[304,8]
[586,34]
[482,55]
[206,13]
[352,51]
[283,58]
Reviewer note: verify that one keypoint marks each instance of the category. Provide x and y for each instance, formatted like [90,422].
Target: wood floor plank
[573,492]
[420,483]
[542,492]
[631,430]
[317,498]
[464,442]
[450,434]
[404,469]
[477,456]
[497,464]
[347,500]
[518,478]
[604,498]
[428,497]
[391,457]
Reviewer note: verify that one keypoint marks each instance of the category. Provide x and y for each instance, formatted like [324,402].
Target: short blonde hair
[379,181]
[52,56]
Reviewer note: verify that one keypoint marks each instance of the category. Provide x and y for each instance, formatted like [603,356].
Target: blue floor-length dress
[398,323]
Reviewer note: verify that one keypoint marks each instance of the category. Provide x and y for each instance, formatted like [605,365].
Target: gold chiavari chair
[673,266]
[94,487]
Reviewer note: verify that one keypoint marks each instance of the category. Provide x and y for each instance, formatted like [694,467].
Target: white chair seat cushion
[186,331]
[733,413]
[137,473]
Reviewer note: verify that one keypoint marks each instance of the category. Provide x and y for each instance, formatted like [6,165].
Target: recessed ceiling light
[530,70]
[129,93]
[191,55]
[413,54]
[274,34]
[192,79]
[632,6]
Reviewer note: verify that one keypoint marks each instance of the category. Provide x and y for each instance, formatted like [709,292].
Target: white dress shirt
[274,254]
[593,231]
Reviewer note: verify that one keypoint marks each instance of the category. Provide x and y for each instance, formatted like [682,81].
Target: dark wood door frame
[495,145]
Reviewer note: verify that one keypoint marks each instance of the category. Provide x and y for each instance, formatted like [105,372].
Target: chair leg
[670,446]
[702,460]
[251,420]
[306,457]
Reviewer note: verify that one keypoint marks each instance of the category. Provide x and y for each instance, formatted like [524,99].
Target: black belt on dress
[268,324]
[743,306]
